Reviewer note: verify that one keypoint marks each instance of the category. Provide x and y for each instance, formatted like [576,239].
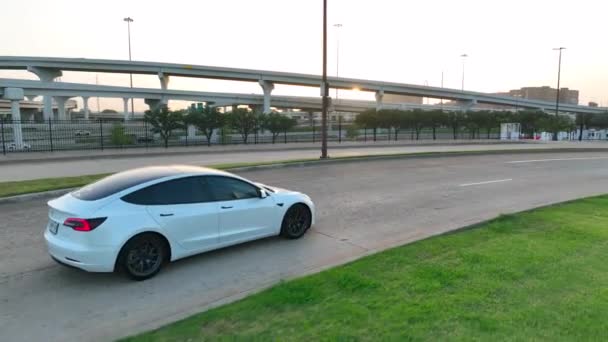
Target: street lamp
[559,71]
[129,20]
[464,56]
[324,87]
[337,26]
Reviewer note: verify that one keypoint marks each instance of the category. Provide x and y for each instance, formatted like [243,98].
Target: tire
[142,257]
[296,221]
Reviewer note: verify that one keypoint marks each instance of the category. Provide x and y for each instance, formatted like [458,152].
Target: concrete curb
[369,158]
[213,150]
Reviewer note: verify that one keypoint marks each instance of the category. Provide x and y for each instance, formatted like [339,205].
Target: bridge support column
[85,105]
[468,105]
[60,101]
[15,95]
[125,111]
[46,75]
[267,88]
[379,96]
[164,84]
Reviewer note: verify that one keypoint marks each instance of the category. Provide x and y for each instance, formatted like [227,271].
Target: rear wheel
[142,256]
[296,221]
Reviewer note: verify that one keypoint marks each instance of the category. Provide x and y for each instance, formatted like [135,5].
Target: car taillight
[83,225]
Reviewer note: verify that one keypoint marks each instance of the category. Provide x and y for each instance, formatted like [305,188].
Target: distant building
[545,93]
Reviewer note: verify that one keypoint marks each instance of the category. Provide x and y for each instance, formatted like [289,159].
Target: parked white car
[13,147]
[139,219]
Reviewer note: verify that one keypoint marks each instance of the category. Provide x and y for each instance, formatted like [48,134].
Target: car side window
[228,189]
[178,191]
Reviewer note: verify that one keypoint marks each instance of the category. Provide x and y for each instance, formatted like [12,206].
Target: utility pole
[442,88]
[559,71]
[97,83]
[129,20]
[324,87]
[337,26]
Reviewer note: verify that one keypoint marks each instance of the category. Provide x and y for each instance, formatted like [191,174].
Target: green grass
[538,275]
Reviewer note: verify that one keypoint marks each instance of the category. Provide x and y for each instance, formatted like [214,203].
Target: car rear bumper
[88,258]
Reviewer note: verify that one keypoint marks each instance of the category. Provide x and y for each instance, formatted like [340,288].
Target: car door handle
[226,206]
[163,215]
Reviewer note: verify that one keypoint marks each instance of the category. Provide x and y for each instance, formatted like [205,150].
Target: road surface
[104,164]
[362,207]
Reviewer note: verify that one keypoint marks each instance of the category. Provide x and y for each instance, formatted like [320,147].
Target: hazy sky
[509,43]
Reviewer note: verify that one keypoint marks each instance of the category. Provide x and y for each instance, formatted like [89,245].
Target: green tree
[489,120]
[352,131]
[118,136]
[244,122]
[474,122]
[560,123]
[530,120]
[390,119]
[368,119]
[599,121]
[455,120]
[583,120]
[277,123]
[206,119]
[164,122]
[418,120]
[436,119]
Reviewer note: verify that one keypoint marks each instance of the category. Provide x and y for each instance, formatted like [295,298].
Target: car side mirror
[262,193]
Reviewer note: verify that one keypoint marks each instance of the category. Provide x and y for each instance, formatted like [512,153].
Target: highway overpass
[49,68]
[62,90]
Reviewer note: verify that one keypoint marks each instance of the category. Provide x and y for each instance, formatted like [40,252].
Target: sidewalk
[21,157]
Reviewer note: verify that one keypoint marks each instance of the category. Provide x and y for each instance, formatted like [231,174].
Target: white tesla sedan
[139,219]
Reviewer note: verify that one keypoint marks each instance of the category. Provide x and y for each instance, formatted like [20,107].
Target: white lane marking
[488,182]
[554,159]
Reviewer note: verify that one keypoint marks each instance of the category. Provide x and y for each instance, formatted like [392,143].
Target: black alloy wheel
[143,256]
[296,222]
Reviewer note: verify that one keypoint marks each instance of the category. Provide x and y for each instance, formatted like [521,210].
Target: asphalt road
[362,207]
[260,153]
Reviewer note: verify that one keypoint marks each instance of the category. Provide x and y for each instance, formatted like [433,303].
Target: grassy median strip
[537,275]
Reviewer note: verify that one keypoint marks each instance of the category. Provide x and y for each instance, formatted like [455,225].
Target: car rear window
[121,181]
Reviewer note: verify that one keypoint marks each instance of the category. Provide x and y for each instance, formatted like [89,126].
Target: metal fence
[56,135]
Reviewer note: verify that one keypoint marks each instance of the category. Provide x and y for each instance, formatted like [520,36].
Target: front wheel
[296,222]
[142,257]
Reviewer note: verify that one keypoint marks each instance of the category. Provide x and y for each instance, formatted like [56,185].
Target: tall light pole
[442,88]
[464,56]
[337,26]
[559,71]
[129,20]
[324,87]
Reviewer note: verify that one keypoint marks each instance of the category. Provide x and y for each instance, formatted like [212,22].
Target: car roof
[124,180]
[163,171]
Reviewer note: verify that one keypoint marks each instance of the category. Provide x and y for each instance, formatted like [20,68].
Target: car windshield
[121,181]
